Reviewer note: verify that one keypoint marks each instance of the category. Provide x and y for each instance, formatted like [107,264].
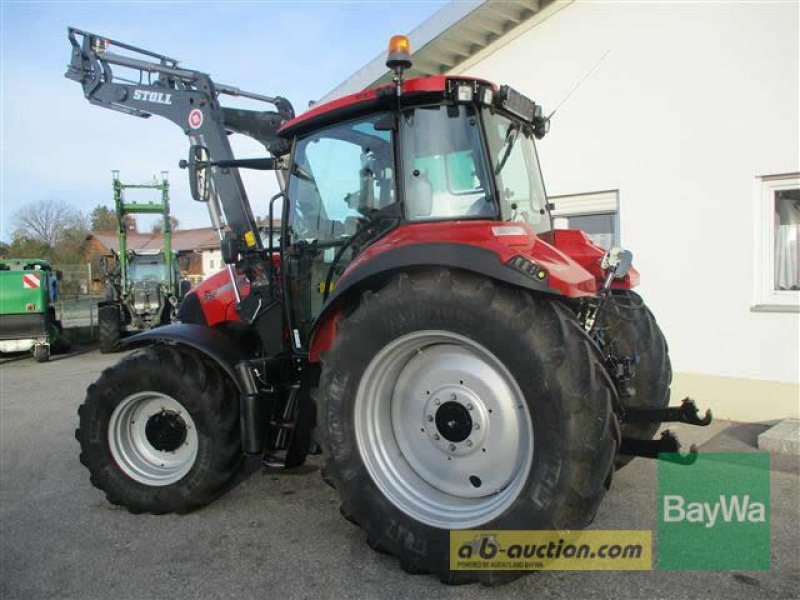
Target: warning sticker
[196,118]
[31,281]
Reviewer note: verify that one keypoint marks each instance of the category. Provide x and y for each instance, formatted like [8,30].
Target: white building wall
[212,261]
[693,103]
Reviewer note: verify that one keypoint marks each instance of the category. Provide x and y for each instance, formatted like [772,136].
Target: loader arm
[190,99]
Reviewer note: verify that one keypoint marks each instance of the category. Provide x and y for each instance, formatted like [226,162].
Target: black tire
[211,401]
[557,368]
[41,353]
[632,329]
[108,331]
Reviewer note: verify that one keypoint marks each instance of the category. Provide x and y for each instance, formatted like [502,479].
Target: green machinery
[28,290]
[143,286]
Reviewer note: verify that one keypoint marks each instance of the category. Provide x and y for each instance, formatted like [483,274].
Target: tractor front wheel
[159,431]
[451,402]
[109,327]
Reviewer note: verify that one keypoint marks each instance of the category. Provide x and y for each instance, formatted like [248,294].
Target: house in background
[197,249]
[683,145]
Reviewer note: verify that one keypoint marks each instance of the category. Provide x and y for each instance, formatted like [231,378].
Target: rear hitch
[687,413]
[666,448]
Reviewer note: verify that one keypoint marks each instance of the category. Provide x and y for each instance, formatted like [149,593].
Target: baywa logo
[714,514]
[728,508]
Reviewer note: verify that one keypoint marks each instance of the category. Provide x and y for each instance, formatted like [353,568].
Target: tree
[22,247]
[46,221]
[102,218]
[159,225]
[49,229]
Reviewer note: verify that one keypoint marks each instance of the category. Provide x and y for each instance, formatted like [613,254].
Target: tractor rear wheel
[159,431]
[451,402]
[632,329]
[108,328]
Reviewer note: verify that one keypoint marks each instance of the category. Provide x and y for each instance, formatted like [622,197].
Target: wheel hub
[453,421]
[166,431]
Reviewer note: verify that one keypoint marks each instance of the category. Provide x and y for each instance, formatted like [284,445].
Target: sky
[57,146]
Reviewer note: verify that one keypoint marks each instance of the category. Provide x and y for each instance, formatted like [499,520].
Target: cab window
[445,174]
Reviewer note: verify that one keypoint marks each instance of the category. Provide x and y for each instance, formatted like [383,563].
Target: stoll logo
[157,97]
[728,508]
[714,514]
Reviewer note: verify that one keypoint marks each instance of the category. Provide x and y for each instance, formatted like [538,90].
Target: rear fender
[580,248]
[378,269]
[212,343]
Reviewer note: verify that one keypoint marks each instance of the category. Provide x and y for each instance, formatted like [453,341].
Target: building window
[211,263]
[778,243]
[595,213]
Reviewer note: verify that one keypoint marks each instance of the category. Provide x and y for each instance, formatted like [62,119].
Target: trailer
[28,290]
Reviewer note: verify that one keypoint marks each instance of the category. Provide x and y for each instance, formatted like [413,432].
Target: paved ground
[280,536]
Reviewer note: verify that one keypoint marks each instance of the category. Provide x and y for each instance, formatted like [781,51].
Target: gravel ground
[280,535]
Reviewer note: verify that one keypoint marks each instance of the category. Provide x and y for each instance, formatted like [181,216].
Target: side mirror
[199,182]
[618,261]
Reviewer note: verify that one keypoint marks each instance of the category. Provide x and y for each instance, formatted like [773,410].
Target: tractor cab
[438,153]
[151,266]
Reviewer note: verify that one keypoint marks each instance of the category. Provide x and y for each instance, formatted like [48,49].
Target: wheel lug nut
[469,406]
[453,396]
[452,447]
[436,436]
[429,418]
[436,401]
[469,442]
[477,425]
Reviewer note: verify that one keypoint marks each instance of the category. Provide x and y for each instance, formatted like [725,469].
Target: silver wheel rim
[443,429]
[153,438]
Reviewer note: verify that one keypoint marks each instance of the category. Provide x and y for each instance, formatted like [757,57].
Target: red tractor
[459,363]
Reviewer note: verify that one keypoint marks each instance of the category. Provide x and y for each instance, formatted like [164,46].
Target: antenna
[580,82]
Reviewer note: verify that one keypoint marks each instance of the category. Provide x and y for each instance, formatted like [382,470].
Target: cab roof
[418,89]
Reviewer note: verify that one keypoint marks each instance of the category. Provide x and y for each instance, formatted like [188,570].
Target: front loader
[142,287]
[460,363]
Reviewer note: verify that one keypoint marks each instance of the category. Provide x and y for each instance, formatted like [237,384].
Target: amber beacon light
[399,56]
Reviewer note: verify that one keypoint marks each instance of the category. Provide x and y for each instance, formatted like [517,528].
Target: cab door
[339,177]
